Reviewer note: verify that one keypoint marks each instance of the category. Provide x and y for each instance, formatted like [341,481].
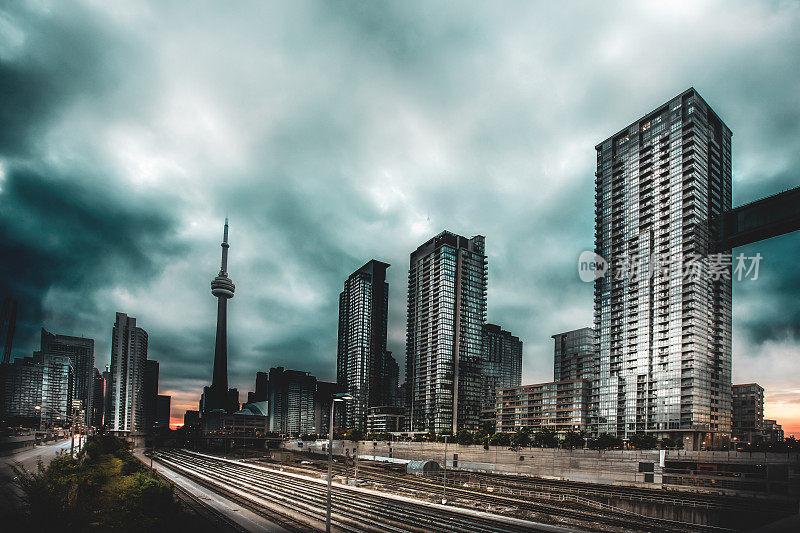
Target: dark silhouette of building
[218,396]
[191,419]
[363,364]
[150,393]
[262,382]
[502,362]
[8,324]
[446,313]
[107,395]
[662,185]
[8,321]
[322,407]
[98,402]
[80,351]
[128,359]
[162,412]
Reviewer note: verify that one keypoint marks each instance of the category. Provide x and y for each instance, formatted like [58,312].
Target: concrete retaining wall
[614,467]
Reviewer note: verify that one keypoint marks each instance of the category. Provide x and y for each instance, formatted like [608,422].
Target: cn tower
[222,287]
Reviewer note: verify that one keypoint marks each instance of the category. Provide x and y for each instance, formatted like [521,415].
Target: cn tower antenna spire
[223,269]
[222,288]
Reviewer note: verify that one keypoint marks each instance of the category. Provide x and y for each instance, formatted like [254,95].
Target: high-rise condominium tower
[446,314]
[502,363]
[362,362]
[80,351]
[128,357]
[664,338]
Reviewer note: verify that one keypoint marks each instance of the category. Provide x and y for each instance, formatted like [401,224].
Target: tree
[643,441]
[574,439]
[522,437]
[669,444]
[500,439]
[464,436]
[545,438]
[353,435]
[604,441]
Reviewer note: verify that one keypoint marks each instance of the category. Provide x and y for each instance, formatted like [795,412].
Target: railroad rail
[302,499]
[583,510]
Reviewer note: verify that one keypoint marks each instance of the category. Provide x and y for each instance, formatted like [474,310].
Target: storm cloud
[333,133]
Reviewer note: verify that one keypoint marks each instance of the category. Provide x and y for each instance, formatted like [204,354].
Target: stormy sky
[335,132]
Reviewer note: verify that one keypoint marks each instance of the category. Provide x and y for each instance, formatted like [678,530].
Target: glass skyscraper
[446,314]
[363,366]
[663,310]
[501,363]
[80,351]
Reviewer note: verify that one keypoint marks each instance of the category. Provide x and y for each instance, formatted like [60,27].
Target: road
[28,458]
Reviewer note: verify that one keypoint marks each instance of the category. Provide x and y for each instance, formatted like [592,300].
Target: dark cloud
[332,133]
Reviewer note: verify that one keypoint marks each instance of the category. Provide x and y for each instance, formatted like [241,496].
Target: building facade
[446,314]
[773,432]
[747,421]
[291,402]
[559,405]
[363,364]
[80,351]
[663,311]
[575,357]
[385,419]
[128,359]
[502,363]
[23,391]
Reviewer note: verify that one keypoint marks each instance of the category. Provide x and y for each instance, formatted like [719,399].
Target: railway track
[302,500]
[582,510]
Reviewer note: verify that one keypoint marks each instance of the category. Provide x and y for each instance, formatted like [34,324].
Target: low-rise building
[560,405]
[747,420]
[773,432]
[385,419]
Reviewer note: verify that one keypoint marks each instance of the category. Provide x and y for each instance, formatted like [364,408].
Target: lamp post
[444,474]
[337,397]
[39,408]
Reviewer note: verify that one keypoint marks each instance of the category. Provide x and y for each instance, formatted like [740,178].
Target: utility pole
[72,433]
[444,474]
[355,468]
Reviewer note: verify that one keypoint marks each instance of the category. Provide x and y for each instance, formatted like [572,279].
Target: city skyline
[409,138]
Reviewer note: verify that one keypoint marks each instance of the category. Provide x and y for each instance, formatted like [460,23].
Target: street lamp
[39,408]
[337,397]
